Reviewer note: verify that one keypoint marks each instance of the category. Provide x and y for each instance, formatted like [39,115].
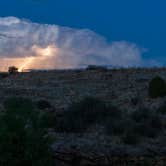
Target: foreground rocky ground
[127,89]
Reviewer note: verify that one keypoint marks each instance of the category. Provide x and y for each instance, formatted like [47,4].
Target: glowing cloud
[42,46]
[44,55]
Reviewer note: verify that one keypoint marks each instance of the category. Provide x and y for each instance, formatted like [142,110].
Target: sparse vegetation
[113,118]
[130,127]
[23,135]
[157,87]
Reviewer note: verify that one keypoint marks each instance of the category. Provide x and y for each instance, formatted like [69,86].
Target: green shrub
[157,87]
[23,135]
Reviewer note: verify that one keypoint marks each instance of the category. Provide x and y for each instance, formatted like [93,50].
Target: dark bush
[157,87]
[4,75]
[98,68]
[156,122]
[146,162]
[148,123]
[145,130]
[43,104]
[19,105]
[85,113]
[114,112]
[49,119]
[142,123]
[81,115]
[135,100]
[162,109]
[131,138]
[23,135]
[117,126]
[140,115]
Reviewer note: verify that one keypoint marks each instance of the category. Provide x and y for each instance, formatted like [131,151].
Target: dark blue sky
[140,21]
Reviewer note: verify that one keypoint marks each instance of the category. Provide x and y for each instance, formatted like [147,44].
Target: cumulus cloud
[70,48]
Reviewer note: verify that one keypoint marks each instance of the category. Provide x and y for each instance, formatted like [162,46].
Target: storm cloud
[19,39]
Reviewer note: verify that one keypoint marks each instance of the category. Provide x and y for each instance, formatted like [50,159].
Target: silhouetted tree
[12,70]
